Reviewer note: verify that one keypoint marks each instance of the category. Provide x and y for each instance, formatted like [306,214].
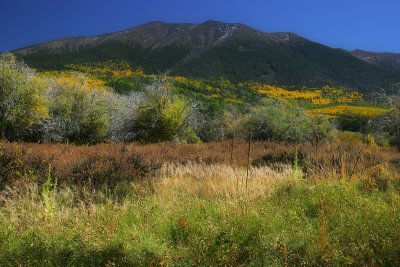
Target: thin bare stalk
[248,163]
[232,146]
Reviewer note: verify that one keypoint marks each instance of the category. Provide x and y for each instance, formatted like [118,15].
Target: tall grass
[196,214]
[218,181]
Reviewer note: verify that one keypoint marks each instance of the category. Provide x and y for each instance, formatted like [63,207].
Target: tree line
[42,109]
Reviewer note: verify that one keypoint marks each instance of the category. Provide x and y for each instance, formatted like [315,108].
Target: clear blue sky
[366,24]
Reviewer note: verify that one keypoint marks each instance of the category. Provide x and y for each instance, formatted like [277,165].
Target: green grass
[298,223]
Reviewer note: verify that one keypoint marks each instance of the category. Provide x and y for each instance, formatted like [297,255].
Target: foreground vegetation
[191,205]
[185,222]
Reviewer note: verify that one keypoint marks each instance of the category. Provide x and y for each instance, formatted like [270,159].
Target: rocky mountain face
[215,49]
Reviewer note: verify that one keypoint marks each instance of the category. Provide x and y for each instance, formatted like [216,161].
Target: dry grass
[219,181]
[109,164]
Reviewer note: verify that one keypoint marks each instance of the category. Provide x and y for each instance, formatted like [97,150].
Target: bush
[85,166]
[277,121]
[348,137]
[22,101]
[162,117]
[78,114]
[352,123]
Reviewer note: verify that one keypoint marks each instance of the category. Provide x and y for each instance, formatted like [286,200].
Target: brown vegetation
[108,164]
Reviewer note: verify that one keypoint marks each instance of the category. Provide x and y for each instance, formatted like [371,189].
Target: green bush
[277,121]
[78,115]
[162,117]
[22,101]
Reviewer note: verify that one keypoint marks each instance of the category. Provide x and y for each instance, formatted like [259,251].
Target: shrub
[120,108]
[22,101]
[277,121]
[161,117]
[78,114]
[92,167]
[348,137]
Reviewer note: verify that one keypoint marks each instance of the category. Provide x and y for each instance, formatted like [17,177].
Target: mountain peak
[216,22]
[155,22]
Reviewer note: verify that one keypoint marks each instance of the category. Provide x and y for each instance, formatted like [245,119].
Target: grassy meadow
[210,204]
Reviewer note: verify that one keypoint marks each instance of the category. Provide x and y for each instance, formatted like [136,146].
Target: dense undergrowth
[195,205]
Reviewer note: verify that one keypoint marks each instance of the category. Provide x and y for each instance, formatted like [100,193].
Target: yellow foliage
[320,101]
[371,140]
[324,96]
[200,85]
[181,79]
[348,137]
[74,79]
[350,110]
[232,100]
[119,69]
[94,83]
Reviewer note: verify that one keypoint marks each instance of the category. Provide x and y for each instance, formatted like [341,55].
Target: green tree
[162,117]
[78,114]
[320,128]
[22,101]
[278,121]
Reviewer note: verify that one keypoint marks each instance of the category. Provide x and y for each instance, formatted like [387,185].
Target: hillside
[215,49]
[385,60]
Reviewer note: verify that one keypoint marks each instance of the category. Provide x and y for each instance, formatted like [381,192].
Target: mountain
[389,61]
[215,49]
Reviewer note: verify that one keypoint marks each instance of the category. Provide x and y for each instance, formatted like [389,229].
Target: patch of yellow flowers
[350,111]
[323,96]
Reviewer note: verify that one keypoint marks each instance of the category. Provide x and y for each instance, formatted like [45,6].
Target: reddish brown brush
[111,163]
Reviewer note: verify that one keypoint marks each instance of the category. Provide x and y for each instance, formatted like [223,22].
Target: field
[199,205]
[105,165]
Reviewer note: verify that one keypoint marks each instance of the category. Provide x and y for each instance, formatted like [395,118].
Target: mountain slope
[385,60]
[213,49]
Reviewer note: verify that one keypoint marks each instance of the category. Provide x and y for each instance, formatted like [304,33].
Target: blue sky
[366,24]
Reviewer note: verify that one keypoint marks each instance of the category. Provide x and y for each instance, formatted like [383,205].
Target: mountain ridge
[384,59]
[185,27]
[215,49]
